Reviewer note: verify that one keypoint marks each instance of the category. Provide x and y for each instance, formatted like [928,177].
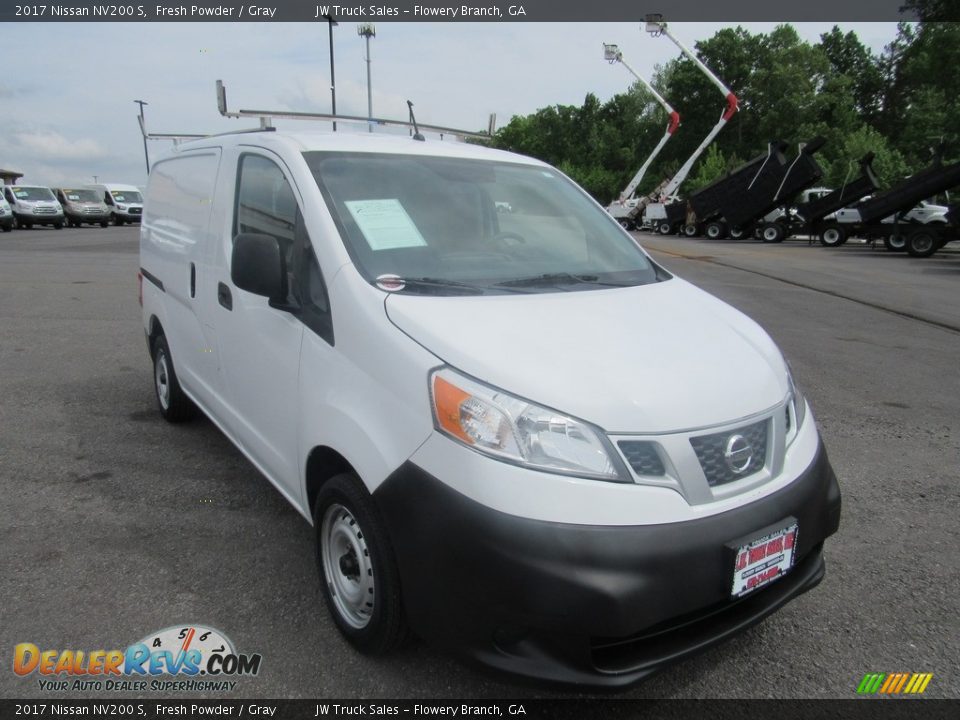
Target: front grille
[711,452]
[92,211]
[643,457]
[136,210]
[44,211]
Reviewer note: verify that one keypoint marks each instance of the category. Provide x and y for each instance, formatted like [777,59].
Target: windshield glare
[33,194]
[481,226]
[126,196]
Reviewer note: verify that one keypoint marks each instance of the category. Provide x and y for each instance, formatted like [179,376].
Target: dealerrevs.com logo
[189,658]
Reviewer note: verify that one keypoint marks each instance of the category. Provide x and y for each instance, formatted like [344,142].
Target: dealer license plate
[763,560]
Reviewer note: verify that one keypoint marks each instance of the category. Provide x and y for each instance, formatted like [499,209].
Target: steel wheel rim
[922,243]
[897,241]
[162,378]
[770,234]
[832,237]
[347,566]
[713,232]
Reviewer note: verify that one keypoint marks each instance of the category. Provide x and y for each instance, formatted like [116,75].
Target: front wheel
[625,224]
[716,230]
[104,223]
[665,228]
[737,233]
[772,233]
[360,579]
[691,230]
[117,220]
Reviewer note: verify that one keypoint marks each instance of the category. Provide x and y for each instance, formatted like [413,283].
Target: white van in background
[34,205]
[6,214]
[515,433]
[125,201]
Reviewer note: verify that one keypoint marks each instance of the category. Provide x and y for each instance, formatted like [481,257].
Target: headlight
[513,430]
[121,207]
[798,401]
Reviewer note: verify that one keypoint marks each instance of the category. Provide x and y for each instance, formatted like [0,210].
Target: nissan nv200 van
[515,433]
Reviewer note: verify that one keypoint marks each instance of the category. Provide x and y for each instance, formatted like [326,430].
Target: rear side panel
[174,243]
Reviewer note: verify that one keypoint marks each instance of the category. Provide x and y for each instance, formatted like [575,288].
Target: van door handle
[224,297]
[193,280]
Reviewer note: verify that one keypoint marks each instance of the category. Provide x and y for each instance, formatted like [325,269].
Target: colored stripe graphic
[894,683]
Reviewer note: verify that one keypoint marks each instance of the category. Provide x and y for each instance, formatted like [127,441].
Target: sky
[66,96]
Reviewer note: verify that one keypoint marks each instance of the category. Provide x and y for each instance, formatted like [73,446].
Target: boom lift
[668,217]
[625,214]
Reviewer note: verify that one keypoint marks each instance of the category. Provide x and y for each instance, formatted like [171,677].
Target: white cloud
[53,145]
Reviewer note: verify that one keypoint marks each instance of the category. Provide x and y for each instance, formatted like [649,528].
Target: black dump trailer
[919,240]
[809,218]
[738,202]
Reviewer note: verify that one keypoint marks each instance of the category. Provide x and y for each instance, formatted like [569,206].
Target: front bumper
[92,218]
[592,605]
[31,219]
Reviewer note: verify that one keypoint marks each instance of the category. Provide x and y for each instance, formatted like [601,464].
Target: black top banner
[480,11]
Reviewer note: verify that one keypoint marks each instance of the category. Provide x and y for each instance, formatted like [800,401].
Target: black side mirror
[258,266]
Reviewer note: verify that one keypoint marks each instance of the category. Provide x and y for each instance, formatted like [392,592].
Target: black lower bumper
[594,605]
[39,219]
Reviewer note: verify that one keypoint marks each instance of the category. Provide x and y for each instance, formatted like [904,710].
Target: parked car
[6,214]
[125,201]
[83,205]
[515,433]
[34,205]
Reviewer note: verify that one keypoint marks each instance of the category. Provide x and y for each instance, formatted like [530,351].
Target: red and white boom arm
[612,54]
[656,26]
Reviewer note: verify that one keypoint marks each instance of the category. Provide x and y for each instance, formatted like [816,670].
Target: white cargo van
[34,205]
[125,201]
[6,214]
[515,433]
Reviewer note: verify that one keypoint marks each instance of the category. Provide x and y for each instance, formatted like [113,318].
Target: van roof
[357,142]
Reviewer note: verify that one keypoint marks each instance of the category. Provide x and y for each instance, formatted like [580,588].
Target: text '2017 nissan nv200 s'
[515,433]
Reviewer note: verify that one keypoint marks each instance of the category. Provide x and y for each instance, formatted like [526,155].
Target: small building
[10,177]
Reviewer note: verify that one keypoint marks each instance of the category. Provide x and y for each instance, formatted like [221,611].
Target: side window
[266,205]
[107,199]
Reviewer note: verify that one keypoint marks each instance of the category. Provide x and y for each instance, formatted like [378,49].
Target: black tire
[922,243]
[895,242]
[358,571]
[58,226]
[174,405]
[8,228]
[833,236]
[715,230]
[625,223]
[664,228]
[117,220]
[104,223]
[737,233]
[691,230]
[772,232]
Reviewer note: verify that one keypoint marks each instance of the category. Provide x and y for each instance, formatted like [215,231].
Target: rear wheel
[922,243]
[174,405]
[691,230]
[360,579]
[895,242]
[737,233]
[772,233]
[625,224]
[716,230]
[104,223]
[833,236]
[664,228]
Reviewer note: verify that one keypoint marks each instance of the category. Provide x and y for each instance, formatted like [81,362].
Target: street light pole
[367,31]
[333,78]
[146,157]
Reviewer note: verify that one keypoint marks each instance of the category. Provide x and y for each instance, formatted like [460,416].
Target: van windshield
[32,193]
[81,195]
[451,226]
[127,196]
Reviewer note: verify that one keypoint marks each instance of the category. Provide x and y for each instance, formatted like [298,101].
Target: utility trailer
[866,219]
[814,217]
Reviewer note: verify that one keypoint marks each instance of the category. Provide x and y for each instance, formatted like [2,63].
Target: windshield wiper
[465,287]
[558,278]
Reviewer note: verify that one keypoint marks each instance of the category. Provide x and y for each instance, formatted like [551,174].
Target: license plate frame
[762,557]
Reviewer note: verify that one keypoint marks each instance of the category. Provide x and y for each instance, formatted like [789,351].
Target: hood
[653,358]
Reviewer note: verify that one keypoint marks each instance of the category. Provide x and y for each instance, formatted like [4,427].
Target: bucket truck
[626,209]
[664,215]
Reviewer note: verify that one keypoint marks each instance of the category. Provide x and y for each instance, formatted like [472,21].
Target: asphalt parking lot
[115,524]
